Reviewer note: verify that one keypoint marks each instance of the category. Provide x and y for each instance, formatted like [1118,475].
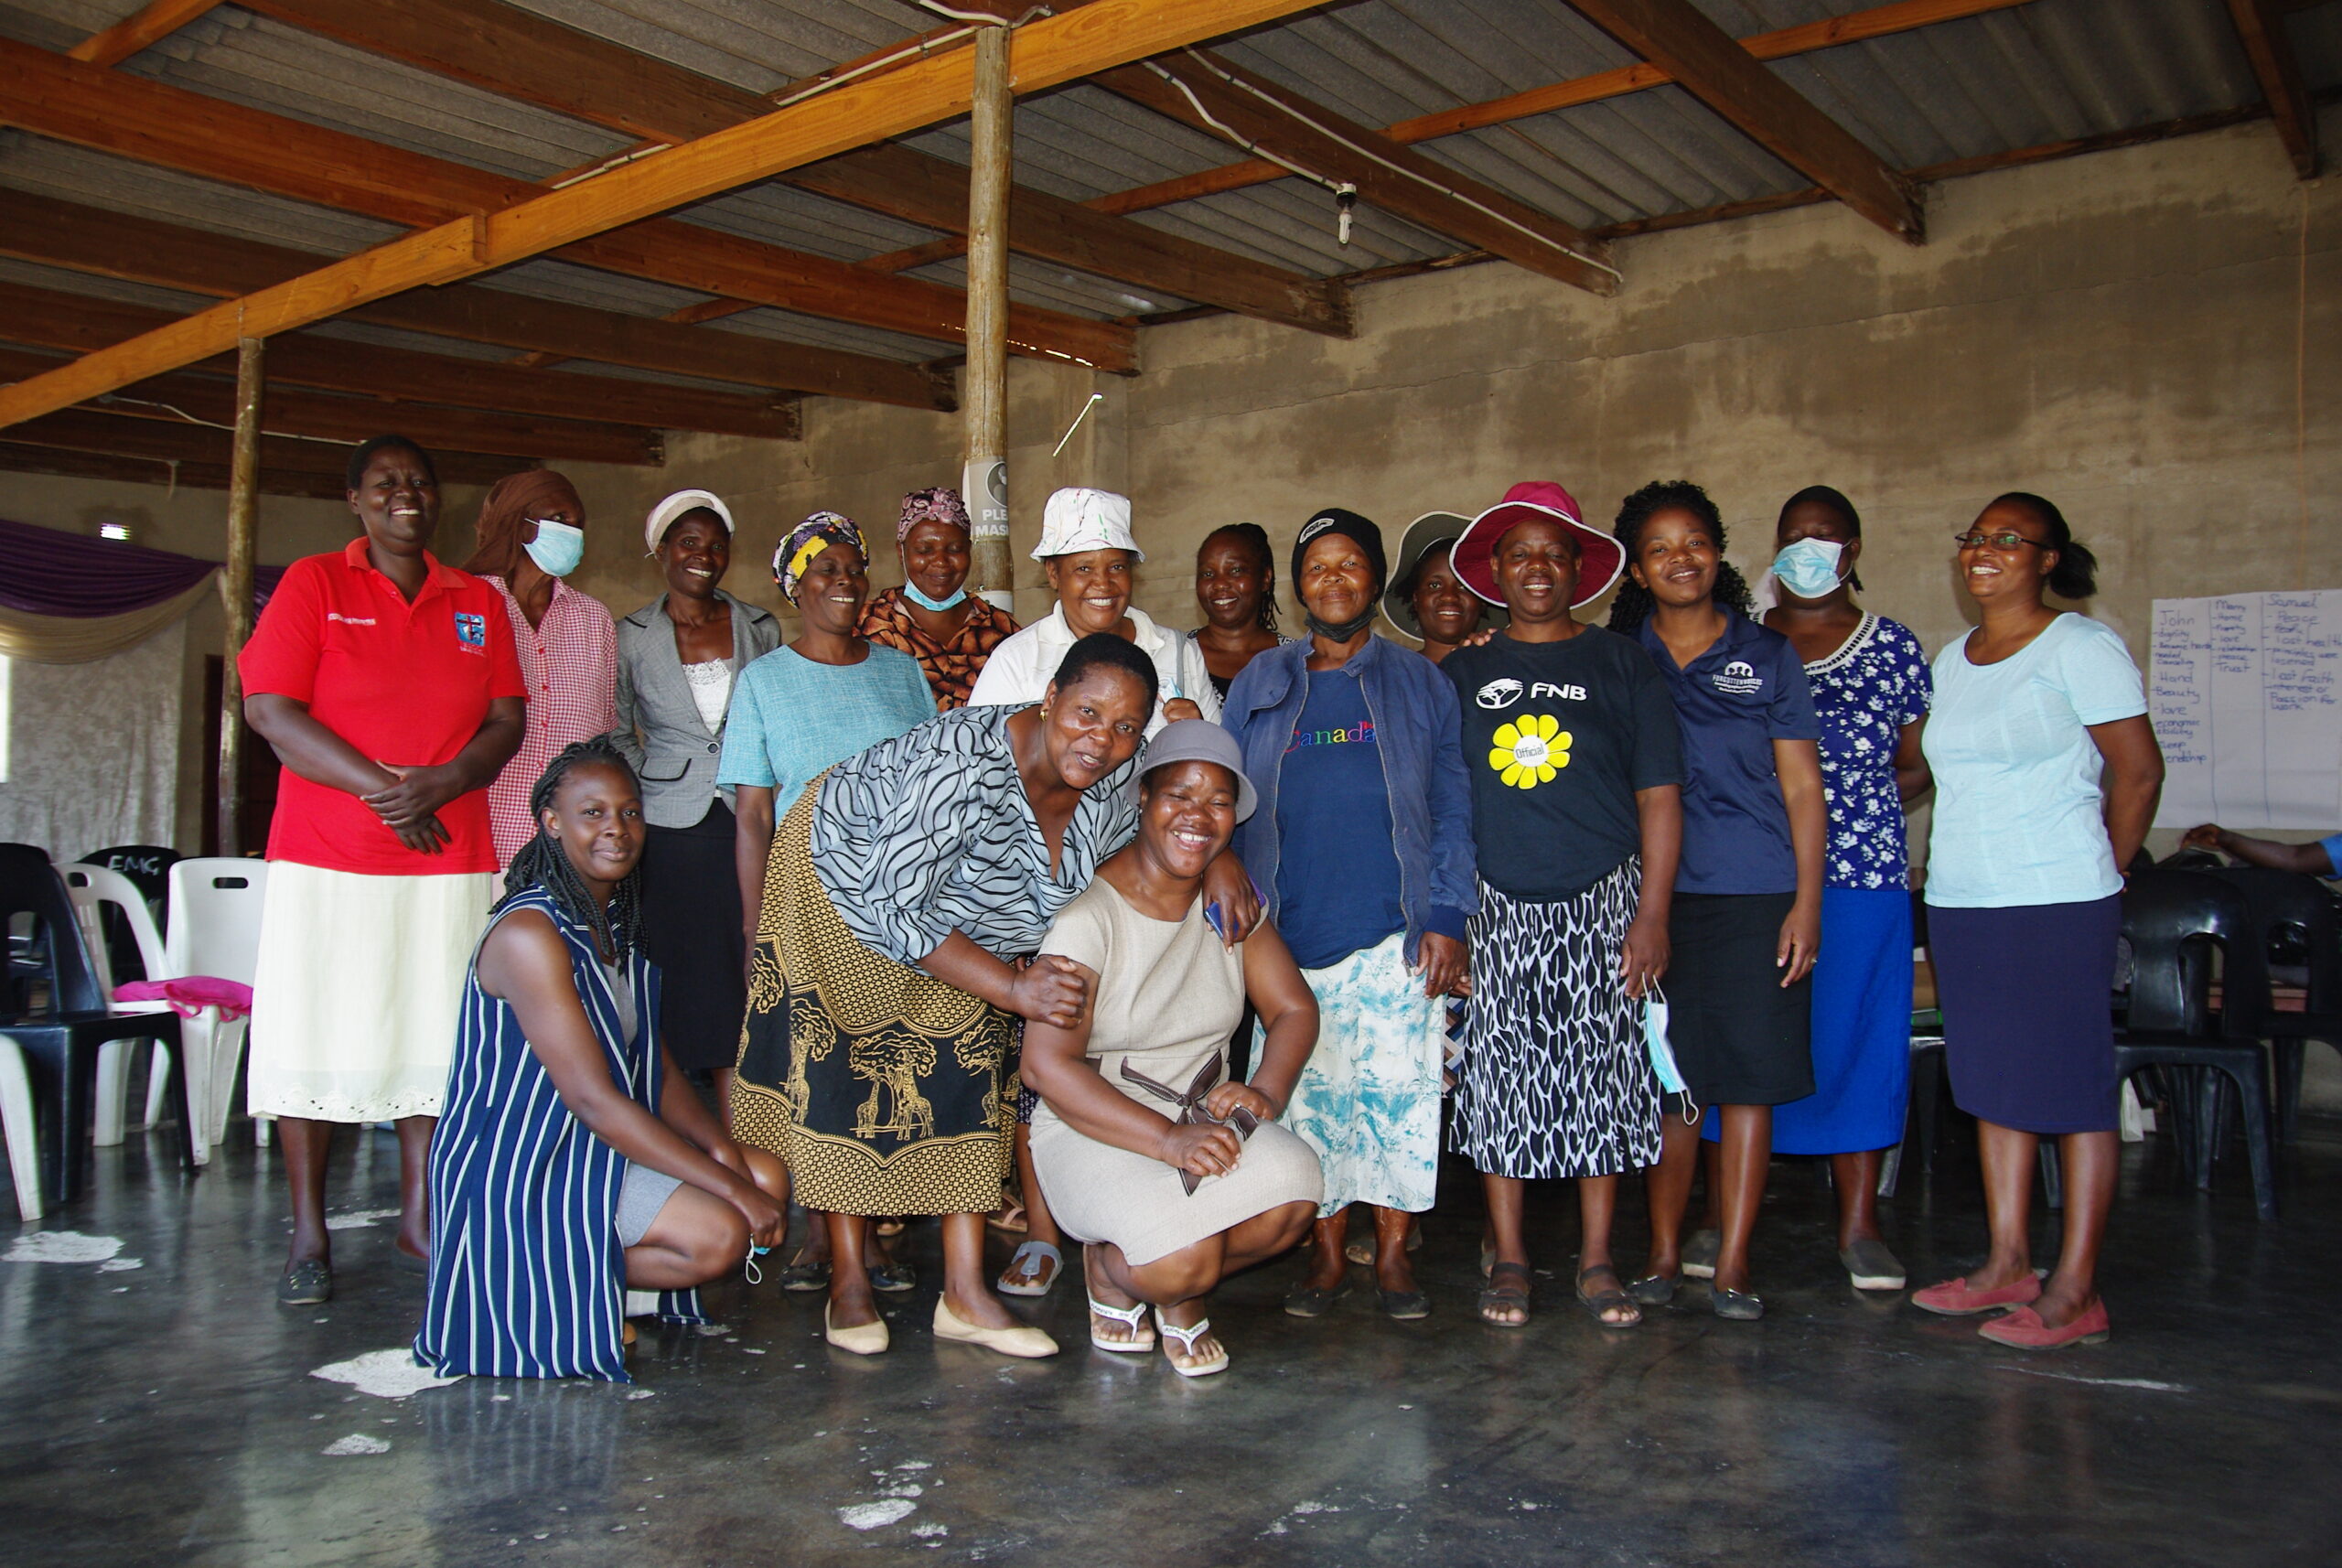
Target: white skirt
[356,996]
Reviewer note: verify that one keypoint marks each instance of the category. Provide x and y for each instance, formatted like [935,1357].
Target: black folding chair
[62,1036]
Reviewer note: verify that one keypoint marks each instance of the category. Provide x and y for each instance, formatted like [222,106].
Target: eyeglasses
[2007,539]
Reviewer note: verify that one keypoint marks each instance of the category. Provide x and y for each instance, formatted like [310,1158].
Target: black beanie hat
[1334,520]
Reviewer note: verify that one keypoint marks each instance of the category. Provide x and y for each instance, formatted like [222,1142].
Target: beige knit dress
[1168,997]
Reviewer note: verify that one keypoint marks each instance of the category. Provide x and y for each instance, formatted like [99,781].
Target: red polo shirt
[405,684]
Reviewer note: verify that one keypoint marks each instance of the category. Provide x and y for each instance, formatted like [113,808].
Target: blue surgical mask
[557,548]
[1808,568]
[959,595]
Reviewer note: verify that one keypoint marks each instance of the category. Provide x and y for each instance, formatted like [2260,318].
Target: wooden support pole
[984,400]
[236,584]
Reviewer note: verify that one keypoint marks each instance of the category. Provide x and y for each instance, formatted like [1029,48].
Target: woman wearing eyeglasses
[2047,773]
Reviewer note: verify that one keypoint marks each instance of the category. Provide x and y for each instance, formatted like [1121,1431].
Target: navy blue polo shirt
[1732,702]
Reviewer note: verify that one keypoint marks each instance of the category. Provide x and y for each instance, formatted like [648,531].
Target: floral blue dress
[1865,694]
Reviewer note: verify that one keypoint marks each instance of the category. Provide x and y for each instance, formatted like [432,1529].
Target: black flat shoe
[1737,1306]
[1404,1305]
[1653,1290]
[1308,1301]
[892,1278]
[306,1284]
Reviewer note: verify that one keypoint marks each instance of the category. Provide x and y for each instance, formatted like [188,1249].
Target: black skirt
[690,918]
[1740,1037]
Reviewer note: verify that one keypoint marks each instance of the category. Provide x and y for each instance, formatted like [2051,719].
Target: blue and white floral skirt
[1369,1100]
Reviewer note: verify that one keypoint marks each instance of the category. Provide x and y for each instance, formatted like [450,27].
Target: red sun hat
[1600,558]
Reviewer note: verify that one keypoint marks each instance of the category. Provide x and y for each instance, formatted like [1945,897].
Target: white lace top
[710,684]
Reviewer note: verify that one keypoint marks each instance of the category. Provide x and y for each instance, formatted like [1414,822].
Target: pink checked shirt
[570,665]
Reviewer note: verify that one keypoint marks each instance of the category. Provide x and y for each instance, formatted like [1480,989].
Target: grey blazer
[660,729]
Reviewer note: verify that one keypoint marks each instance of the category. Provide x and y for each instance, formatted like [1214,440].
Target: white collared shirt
[1019,670]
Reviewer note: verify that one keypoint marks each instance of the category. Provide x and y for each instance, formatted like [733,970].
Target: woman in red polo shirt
[388,685]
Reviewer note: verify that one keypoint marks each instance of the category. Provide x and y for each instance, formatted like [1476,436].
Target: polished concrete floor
[165,1412]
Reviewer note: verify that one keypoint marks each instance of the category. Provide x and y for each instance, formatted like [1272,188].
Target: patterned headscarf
[806,539]
[931,506]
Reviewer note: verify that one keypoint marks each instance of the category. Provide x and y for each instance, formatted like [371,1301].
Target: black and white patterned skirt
[1555,1080]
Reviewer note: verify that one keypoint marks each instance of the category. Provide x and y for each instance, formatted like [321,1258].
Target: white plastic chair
[16,1122]
[92,888]
[215,930]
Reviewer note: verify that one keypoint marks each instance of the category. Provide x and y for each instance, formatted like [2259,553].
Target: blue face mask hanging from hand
[1808,567]
[557,548]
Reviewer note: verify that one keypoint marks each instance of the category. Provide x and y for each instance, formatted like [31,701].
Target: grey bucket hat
[1433,531]
[1199,740]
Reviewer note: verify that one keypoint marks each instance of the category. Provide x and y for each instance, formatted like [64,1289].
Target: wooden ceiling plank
[1710,64]
[402,376]
[150,25]
[2261,25]
[156,123]
[1387,174]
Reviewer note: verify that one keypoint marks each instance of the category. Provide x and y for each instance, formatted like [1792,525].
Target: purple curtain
[45,571]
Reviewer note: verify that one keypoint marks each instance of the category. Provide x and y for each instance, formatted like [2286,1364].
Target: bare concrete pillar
[236,584]
[984,400]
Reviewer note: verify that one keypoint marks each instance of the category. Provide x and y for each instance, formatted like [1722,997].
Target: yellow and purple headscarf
[806,539]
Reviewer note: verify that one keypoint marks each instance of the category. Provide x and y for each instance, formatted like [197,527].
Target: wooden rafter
[23,457]
[291,410]
[399,378]
[150,25]
[505,50]
[65,234]
[157,122]
[1047,53]
[109,434]
[1223,99]
[2261,23]
[1710,64]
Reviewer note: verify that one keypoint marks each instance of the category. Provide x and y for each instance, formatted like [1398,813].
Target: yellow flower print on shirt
[1529,750]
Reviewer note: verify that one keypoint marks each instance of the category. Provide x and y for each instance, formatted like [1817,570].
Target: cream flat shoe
[1022,1340]
[862,1339]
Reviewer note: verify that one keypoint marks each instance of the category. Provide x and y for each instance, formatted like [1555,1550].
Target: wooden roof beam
[109,434]
[1225,100]
[22,457]
[291,410]
[2261,25]
[1045,54]
[151,24]
[1710,64]
[400,378]
[503,49]
[159,124]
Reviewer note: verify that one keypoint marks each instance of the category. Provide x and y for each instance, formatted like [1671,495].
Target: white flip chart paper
[2246,695]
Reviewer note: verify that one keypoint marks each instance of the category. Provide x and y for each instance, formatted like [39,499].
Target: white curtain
[93,748]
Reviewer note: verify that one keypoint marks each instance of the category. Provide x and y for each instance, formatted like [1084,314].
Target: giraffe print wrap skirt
[887,1092]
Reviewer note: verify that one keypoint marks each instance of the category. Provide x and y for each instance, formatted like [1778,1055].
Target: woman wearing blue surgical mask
[531,535]
[1871,689]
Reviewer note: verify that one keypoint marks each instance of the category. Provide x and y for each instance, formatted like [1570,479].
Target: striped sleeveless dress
[527,1276]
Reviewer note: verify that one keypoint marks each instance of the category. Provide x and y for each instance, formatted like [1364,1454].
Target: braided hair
[1254,538]
[542,861]
[1634,604]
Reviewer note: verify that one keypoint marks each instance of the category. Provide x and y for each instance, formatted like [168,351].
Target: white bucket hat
[662,516]
[1078,518]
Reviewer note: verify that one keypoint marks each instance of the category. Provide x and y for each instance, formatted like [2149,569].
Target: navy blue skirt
[2028,1021]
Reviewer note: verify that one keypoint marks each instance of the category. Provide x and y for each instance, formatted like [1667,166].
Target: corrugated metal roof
[2048,71]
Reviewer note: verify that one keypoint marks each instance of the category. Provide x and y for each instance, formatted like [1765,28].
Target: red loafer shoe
[2025,1330]
[1953,1298]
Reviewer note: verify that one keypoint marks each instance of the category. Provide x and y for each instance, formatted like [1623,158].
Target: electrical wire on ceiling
[1340,188]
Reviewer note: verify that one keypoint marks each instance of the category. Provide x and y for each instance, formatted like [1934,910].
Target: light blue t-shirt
[792,717]
[2018,812]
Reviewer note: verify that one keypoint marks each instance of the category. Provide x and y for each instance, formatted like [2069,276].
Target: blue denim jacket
[1419,734]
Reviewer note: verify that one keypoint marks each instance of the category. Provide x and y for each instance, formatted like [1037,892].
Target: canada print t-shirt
[1558,737]
[1337,874]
